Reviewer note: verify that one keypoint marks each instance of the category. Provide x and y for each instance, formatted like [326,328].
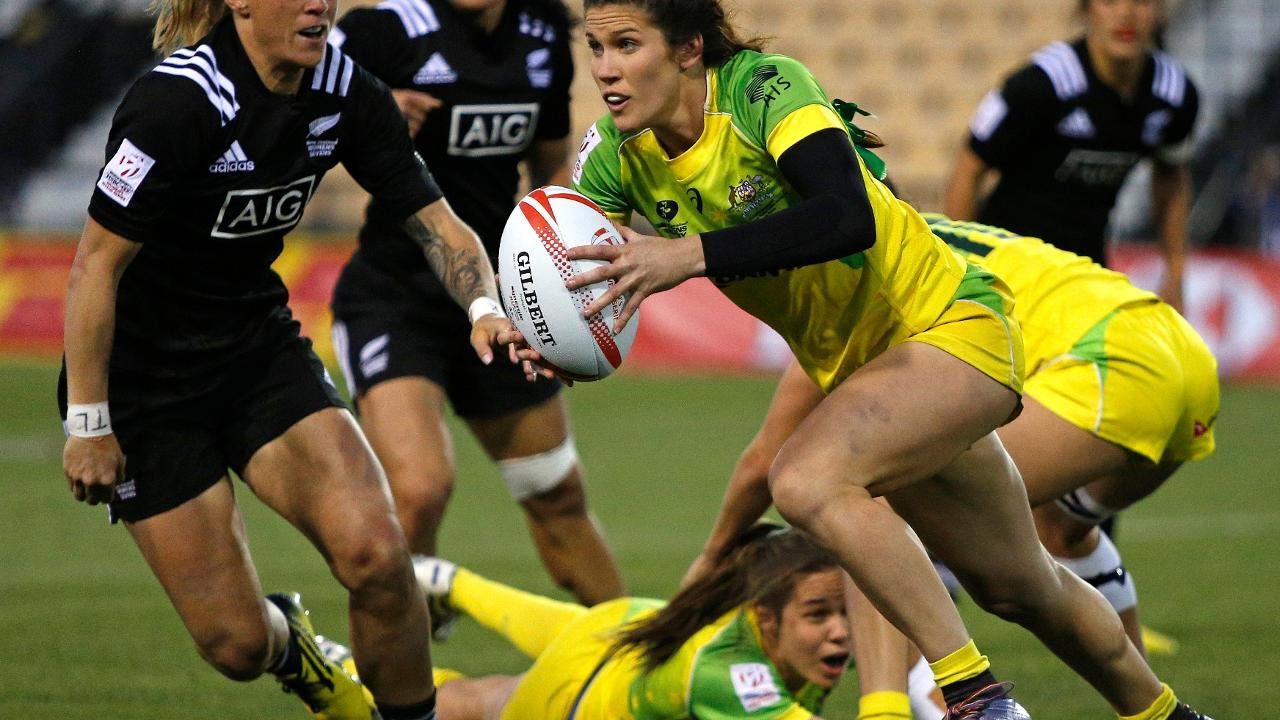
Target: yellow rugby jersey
[720,673]
[1058,295]
[836,315]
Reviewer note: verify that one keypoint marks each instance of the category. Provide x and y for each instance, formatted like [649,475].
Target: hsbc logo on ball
[246,213]
[496,129]
[524,268]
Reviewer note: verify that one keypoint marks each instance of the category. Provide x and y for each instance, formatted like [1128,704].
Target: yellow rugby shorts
[1141,378]
[978,327]
[558,676]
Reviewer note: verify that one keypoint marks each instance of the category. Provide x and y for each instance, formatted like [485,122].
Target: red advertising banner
[1233,299]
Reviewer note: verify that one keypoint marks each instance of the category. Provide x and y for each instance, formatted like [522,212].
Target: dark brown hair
[760,566]
[681,20]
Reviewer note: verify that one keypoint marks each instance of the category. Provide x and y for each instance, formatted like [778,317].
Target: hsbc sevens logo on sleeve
[499,129]
[253,212]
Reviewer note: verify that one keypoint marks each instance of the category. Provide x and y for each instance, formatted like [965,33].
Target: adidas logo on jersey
[435,71]
[1077,125]
[232,161]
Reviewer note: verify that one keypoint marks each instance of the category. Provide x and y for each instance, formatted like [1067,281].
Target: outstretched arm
[747,496]
[457,257]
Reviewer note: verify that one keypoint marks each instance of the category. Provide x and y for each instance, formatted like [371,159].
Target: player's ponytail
[760,566]
[182,22]
[681,20]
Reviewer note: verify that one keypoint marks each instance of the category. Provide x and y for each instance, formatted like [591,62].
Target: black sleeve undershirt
[833,220]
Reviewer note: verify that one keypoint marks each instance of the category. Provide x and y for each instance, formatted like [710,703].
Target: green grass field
[85,632]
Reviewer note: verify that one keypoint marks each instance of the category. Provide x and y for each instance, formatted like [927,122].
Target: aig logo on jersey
[252,212]
[502,129]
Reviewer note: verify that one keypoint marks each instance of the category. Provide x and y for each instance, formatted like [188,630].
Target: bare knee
[804,497]
[240,656]
[375,561]
[421,494]
[567,498]
[1018,597]
[1060,533]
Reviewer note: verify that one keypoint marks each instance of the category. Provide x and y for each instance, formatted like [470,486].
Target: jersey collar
[690,161]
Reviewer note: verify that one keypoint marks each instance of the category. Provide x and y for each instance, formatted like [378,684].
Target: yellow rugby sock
[529,621]
[960,665]
[1164,705]
[884,705]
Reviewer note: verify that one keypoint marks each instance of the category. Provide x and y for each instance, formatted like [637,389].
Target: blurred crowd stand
[920,66]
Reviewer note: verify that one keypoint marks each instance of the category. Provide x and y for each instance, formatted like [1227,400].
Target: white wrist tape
[482,306]
[88,420]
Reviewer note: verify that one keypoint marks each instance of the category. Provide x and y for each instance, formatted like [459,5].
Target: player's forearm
[549,163]
[960,200]
[1171,188]
[454,253]
[746,499]
[89,328]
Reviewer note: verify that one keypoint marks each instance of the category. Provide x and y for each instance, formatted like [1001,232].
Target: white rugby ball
[533,268]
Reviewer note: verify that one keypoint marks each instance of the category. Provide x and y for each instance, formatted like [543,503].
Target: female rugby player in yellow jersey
[1121,391]
[763,634]
[740,160]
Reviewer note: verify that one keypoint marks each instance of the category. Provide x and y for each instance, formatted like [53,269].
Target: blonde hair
[182,22]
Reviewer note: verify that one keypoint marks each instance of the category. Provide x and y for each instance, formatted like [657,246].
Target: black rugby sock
[425,710]
[962,689]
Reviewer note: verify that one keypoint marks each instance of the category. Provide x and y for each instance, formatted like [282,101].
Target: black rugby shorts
[382,339]
[179,437]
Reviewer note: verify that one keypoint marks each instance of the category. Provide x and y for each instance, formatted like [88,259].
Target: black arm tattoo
[462,270]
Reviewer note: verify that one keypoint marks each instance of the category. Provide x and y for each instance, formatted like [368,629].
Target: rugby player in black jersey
[486,83]
[182,356]
[1065,131]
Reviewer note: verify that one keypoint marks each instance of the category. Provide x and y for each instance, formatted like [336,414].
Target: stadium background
[86,632]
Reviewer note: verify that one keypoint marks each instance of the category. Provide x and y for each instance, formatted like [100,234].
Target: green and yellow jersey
[836,315]
[721,672]
[1058,296]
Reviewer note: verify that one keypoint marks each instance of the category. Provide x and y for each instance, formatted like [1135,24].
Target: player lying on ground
[1120,392]
[763,634]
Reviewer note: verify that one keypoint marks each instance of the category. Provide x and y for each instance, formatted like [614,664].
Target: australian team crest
[745,191]
[750,194]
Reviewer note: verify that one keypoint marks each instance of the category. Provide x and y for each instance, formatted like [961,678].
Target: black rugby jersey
[1064,142]
[208,170]
[500,93]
